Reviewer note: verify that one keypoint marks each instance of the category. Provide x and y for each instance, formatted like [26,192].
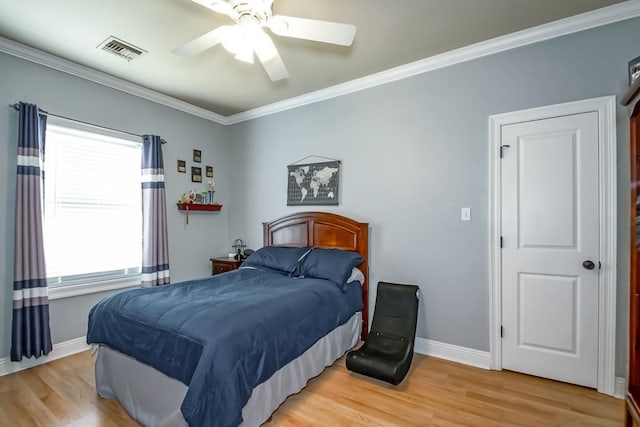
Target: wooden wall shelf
[198,207]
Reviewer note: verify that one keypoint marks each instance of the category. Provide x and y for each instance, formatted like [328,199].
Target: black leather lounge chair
[388,350]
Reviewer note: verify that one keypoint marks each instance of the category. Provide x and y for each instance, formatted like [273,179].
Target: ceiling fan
[247,36]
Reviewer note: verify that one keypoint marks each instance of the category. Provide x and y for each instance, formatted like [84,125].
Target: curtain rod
[17,108]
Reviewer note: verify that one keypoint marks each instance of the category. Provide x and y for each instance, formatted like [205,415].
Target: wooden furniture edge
[631,93]
[632,415]
[632,412]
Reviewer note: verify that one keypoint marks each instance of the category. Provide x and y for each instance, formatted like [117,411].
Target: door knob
[588,264]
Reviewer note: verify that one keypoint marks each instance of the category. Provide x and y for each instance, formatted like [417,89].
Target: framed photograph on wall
[209,171]
[196,174]
[182,166]
[634,70]
[197,156]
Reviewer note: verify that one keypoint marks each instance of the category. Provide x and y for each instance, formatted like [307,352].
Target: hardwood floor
[437,393]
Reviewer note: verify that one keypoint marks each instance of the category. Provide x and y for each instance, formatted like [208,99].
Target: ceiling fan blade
[269,57]
[220,6]
[275,68]
[202,43]
[312,29]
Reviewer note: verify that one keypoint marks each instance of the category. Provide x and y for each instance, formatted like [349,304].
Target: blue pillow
[330,264]
[279,258]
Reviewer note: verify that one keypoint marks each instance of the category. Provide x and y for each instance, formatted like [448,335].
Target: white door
[550,262]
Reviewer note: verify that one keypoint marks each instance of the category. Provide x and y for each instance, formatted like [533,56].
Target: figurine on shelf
[191,197]
[212,185]
[183,198]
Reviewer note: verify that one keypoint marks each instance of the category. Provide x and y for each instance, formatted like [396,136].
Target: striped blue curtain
[155,246]
[30,333]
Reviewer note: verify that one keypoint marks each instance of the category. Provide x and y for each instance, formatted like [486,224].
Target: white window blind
[92,212]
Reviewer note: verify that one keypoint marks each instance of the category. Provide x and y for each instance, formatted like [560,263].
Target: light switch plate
[465,214]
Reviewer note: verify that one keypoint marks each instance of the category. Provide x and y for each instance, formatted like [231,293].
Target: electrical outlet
[465,214]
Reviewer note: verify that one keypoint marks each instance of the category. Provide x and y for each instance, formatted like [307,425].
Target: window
[92,210]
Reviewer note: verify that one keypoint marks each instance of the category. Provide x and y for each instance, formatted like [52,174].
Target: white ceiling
[389,34]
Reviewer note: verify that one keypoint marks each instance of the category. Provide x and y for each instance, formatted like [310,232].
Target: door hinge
[501,331]
[502,147]
[501,242]
[599,265]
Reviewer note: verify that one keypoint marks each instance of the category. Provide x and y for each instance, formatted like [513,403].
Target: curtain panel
[30,334]
[155,245]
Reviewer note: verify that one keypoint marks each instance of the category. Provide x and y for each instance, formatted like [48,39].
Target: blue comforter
[222,335]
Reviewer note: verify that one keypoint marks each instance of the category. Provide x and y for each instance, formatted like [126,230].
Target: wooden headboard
[324,230]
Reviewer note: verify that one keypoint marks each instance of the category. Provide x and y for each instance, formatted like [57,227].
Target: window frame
[80,285]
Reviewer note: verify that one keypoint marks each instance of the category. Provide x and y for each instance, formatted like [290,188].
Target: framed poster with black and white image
[196,174]
[313,183]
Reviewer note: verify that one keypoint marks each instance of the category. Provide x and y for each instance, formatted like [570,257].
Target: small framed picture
[634,70]
[209,171]
[196,174]
[198,198]
[182,166]
[197,156]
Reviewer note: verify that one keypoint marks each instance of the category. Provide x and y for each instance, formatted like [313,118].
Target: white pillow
[356,276]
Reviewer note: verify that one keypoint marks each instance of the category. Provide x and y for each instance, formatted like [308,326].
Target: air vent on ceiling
[121,48]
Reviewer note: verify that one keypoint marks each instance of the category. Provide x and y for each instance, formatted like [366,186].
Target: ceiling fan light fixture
[233,40]
[241,40]
[247,36]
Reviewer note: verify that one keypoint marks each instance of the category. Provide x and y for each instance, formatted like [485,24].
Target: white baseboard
[464,355]
[480,359]
[455,353]
[63,349]
[620,387]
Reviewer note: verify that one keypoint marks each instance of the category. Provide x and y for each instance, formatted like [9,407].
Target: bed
[247,373]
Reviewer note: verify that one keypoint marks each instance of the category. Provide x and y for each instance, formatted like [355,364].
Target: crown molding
[596,18]
[608,15]
[48,60]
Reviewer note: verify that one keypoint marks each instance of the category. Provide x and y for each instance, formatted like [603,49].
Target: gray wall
[191,246]
[415,151]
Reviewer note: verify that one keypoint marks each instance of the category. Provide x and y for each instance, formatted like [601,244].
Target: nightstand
[222,265]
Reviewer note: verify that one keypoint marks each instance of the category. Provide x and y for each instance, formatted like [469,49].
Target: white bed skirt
[154,399]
